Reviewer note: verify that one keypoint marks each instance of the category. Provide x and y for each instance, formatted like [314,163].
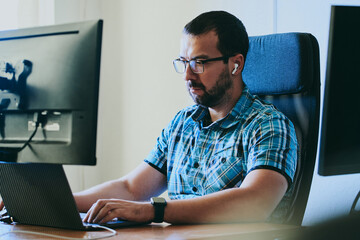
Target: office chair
[284,69]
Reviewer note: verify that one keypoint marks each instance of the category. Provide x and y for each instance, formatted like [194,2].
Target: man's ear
[238,65]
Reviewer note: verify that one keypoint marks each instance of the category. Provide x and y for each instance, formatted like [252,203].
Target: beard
[215,95]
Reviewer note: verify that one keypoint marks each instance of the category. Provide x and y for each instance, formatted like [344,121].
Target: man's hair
[231,32]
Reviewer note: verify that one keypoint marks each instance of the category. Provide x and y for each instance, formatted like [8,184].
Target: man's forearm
[111,189]
[255,200]
[259,194]
[233,205]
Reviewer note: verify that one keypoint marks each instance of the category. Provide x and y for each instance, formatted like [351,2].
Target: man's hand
[2,207]
[105,210]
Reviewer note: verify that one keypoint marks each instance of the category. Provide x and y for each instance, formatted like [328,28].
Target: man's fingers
[85,219]
[87,216]
[108,217]
[105,212]
[100,210]
[93,211]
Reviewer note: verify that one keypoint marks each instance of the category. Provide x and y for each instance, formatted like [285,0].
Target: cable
[353,210]
[31,137]
[106,228]
[111,234]
[41,118]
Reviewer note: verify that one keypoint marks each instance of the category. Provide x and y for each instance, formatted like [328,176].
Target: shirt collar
[202,114]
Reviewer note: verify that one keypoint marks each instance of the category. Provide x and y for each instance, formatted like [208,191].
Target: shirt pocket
[222,172]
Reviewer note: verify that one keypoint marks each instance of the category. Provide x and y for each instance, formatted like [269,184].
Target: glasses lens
[196,67]
[179,65]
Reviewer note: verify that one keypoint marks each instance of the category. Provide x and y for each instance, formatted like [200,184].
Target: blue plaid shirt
[199,157]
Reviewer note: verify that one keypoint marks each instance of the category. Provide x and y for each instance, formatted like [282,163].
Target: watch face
[158,200]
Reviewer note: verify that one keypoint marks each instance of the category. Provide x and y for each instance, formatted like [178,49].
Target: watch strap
[159,204]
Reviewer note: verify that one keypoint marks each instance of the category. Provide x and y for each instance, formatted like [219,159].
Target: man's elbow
[264,210]
[260,210]
[262,215]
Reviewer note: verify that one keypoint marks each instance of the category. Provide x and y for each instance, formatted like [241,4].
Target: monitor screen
[340,130]
[49,83]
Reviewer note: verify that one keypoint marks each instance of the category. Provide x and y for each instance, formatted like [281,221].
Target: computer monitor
[340,130]
[49,84]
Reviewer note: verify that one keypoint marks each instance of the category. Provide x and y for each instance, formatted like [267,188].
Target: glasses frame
[198,61]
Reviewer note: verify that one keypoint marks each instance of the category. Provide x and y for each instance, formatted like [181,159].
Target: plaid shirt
[199,157]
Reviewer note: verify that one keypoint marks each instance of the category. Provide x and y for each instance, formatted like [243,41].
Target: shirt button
[196,165]
[194,189]
[223,160]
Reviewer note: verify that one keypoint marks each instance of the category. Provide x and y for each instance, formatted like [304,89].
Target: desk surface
[248,231]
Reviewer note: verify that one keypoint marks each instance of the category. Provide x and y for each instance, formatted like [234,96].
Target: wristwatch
[159,204]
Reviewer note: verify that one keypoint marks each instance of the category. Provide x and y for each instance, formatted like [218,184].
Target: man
[229,158]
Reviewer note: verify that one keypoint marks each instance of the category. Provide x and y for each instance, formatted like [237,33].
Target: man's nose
[188,74]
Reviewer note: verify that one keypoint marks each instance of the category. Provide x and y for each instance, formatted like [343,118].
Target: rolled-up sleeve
[273,145]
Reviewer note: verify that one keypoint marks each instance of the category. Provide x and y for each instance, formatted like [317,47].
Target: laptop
[39,194]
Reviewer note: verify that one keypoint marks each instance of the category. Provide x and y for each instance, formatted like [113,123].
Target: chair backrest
[284,69]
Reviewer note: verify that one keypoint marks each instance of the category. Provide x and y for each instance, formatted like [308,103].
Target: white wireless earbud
[235,69]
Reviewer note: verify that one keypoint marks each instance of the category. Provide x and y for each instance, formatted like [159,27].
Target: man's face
[211,87]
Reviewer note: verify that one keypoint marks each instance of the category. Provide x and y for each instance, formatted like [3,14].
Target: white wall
[140,92]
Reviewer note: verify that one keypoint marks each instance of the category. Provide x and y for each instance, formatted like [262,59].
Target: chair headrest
[279,64]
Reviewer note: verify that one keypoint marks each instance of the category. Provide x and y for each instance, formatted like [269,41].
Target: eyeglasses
[196,65]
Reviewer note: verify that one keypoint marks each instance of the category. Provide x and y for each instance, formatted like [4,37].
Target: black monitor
[340,130]
[49,84]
